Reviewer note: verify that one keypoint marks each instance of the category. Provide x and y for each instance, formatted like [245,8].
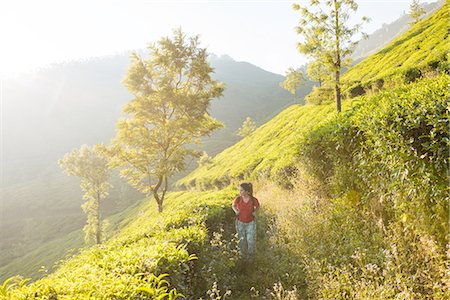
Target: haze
[37,33]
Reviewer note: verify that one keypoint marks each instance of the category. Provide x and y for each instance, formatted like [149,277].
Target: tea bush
[385,162]
[153,256]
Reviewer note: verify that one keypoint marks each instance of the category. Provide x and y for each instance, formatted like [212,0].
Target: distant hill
[49,112]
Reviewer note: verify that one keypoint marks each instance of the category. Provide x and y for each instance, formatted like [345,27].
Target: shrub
[377,84]
[411,75]
[355,90]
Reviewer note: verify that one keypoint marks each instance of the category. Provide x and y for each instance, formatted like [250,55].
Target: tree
[327,37]
[172,91]
[92,169]
[204,159]
[292,81]
[317,71]
[416,11]
[247,128]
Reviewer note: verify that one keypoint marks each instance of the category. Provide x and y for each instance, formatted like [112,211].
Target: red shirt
[246,209]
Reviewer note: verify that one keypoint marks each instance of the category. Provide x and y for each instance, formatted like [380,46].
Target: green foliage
[172,91]
[134,263]
[248,127]
[318,72]
[398,143]
[91,168]
[388,158]
[204,159]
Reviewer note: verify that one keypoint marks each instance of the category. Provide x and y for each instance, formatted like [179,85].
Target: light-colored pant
[247,237]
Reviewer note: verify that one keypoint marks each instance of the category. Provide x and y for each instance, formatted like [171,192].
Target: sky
[34,34]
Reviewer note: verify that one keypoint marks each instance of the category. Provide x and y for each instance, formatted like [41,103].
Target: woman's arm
[235,209]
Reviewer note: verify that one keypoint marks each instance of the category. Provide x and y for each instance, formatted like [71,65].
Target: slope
[388,32]
[271,151]
[423,47]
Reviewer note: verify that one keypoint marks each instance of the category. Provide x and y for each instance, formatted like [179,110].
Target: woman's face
[242,192]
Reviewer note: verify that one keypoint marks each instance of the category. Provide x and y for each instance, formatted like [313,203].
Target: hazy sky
[35,33]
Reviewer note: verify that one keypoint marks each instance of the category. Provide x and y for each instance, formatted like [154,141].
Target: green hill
[45,241]
[388,32]
[41,213]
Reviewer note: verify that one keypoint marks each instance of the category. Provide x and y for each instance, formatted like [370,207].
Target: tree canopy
[172,90]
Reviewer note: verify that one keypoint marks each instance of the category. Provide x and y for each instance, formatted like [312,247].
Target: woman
[246,206]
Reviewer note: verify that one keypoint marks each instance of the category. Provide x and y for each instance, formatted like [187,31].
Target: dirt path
[271,266]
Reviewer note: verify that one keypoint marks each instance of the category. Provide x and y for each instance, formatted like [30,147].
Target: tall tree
[292,81]
[87,164]
[172,91]
[416,11]
[327,35]
[247,127]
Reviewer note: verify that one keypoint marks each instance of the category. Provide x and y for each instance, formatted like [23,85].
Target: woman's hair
[248,187]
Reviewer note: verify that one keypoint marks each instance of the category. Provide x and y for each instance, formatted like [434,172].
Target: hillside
[422,48]
[270,152]
[40,213]
[383,36]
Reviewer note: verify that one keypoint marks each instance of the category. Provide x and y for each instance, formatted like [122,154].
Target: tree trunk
[159,200]
[99,224]
[338,57]
[338,91]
